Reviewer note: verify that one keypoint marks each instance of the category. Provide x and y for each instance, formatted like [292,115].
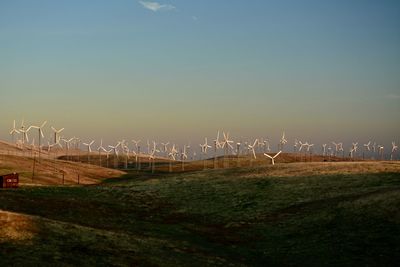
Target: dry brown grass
[16,227]
[327,168]
[299,164]
[51,172]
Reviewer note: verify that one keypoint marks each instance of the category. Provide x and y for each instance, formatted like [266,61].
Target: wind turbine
[55,152]
[41,135]
[381,149]
[238,146]
[354,148]
[108,154]
[151,161]
[148,146]
[172,155]
[13,132]
[125,149]
[32,146]
[336,147]
[76,144]
[155,147]
[173,152]
[137,157]
[282,141]
[266,147]
[272,158]
[351,152]
[24,133]
[252,148]
[49,146]
[324,149]
[101,148]
[309,146]
[226,144]
[330,152]
[67,142]
[136,142]
[341,149]
[295,145]
[152,156]
[217,144]
[260,144]
[374,150]
[204,148]
[165,148]
[301,147]
[134,154]
[366,148]
[89,150]
[394,149]
[58,142]
[114,148]
[183,157]
[56,133]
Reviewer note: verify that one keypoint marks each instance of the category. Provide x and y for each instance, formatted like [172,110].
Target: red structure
[9,180]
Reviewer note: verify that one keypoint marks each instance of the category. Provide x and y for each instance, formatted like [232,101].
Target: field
[299,214]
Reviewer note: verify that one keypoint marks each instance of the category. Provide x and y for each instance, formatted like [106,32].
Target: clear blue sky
[180,70]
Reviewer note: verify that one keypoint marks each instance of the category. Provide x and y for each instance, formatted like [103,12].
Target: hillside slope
[346,216]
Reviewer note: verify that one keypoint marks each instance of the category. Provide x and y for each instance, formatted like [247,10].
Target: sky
[180,70]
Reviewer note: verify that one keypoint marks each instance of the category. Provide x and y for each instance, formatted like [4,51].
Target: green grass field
[206,218]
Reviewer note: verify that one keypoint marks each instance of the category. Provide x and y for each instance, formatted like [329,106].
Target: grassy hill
[300,214]
[54,172]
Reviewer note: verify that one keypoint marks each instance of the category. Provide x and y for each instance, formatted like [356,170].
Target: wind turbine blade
[277,154]
[255,142]
[265,154]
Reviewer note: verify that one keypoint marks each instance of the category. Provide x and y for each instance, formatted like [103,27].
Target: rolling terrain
[298,214]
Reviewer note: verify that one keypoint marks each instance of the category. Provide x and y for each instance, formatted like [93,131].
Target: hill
[299,214]
[52,171]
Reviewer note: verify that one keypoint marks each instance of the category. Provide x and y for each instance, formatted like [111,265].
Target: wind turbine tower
[41,135]
[13,132]
[56,133]
[89,149]
[394,149]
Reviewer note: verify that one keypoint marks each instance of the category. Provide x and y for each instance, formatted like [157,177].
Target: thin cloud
[195,18]
[393,96]
[154,6]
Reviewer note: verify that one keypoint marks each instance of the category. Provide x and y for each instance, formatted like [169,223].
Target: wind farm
[126,157]
[68,172]
[199,133]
